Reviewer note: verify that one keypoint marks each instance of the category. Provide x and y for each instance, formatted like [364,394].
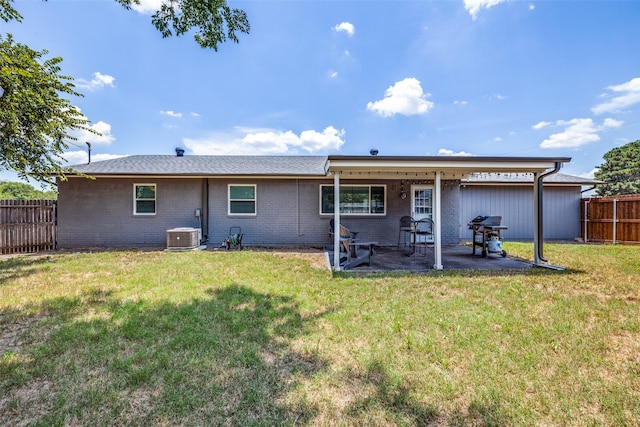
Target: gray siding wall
[99,213]
[515,205]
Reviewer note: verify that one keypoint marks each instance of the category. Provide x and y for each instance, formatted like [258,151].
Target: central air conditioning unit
[184,238]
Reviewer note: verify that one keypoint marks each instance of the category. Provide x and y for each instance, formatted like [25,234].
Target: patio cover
[439,168]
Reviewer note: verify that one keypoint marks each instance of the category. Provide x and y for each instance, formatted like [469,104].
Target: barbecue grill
[486,235]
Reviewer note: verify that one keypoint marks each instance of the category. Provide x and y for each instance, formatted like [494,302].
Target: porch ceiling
[450,167]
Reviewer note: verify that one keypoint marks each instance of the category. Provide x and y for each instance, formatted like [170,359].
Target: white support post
[437,216]
[336,221]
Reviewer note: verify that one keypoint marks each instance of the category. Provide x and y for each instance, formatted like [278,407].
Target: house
[276,200]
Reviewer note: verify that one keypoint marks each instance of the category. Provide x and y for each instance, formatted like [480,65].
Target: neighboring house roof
[208,166]
[526,178]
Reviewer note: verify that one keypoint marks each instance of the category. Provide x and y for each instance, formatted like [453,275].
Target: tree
[23,191]
[35,120]
[7,12]
[215,22]
[620,171]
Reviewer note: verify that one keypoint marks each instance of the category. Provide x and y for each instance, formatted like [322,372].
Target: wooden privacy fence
[613,219]
[27,226]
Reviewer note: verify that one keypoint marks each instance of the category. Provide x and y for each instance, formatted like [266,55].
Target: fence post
[615,219]
[54,226]
[586,220]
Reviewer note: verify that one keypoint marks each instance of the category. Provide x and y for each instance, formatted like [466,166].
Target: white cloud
[333,74]
[497,139]
[80,157]
[147,7]
[532,6]
[591,174]
[447,152]
[499,97]
[629,94]
[404,97]
[267,141]
[98,82]
[85,136]
[541,125]
[171,114]
[460,102]
[330,139]
[194,114]
[578,132]
[345,27]
[612,123]
[474,6]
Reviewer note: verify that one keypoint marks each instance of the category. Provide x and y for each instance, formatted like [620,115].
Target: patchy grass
[259,338]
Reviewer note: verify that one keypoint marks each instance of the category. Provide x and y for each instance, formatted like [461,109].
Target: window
[242,199]
[144,199]
[354,199]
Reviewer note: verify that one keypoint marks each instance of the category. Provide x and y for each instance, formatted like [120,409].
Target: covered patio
[437,169]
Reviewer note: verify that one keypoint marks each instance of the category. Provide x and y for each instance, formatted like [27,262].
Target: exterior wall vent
[184,238]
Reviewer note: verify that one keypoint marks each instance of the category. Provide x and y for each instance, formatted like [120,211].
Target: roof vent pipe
[179,152]
[373,151]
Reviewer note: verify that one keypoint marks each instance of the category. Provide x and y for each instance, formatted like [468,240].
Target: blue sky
[466,77]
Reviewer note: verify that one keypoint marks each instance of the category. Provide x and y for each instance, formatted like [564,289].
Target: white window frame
[343,213]
[136,199]
[254,200]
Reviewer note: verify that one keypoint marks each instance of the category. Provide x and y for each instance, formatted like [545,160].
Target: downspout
[298,225]
[204,216]
[539,236]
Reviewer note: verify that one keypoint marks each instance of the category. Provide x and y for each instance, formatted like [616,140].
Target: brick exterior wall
[450,211]
[100,212]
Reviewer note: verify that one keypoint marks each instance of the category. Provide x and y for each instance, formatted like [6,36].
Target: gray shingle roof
[171,165]
[208,165]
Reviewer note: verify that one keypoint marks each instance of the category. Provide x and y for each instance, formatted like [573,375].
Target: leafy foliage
[35,120]
[7,12]
[620,171]
[23,191]
[215,22]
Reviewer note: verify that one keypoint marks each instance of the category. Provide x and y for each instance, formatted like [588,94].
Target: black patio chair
[423,229]
[406,228]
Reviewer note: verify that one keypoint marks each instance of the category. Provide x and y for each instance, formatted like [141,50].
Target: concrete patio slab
[454,257]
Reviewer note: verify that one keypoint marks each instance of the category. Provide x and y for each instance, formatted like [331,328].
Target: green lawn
[259,338]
